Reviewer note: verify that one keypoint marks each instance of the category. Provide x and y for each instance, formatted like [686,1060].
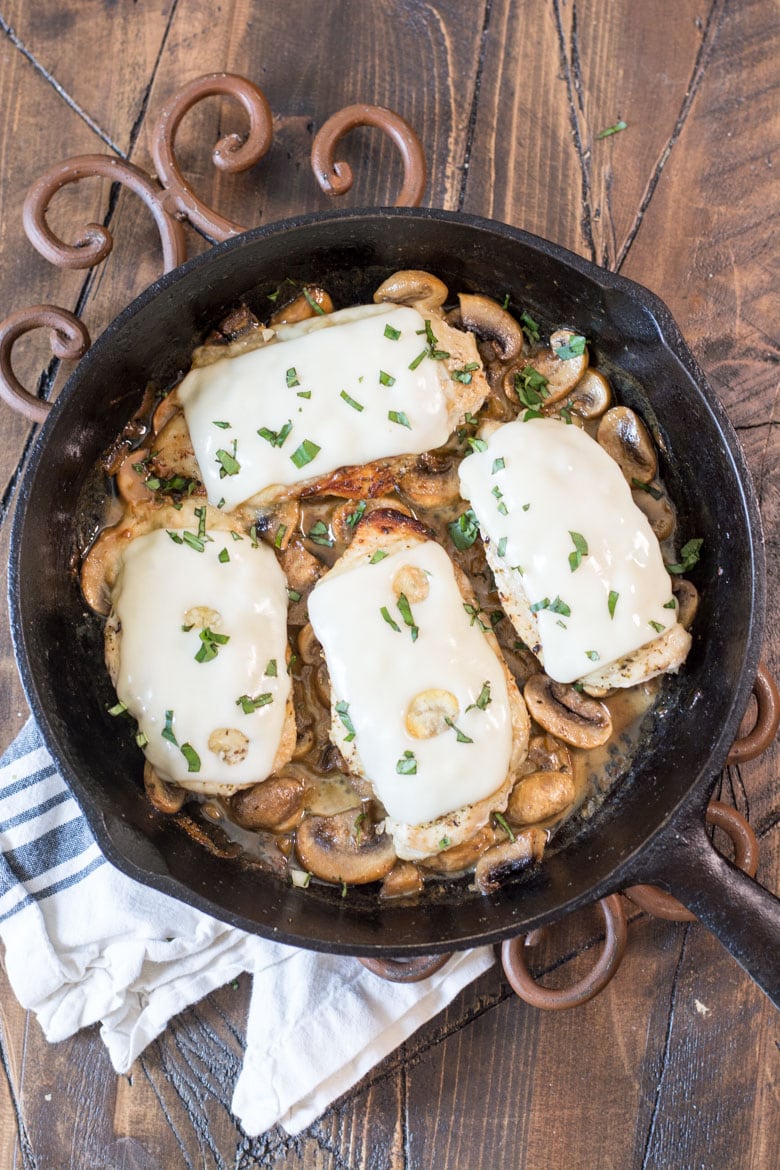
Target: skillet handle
[742,914]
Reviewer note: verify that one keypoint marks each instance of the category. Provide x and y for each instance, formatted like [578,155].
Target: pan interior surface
[59,642]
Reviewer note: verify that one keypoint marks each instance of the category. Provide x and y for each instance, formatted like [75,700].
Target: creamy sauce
[330,392]
[378,671]
[544,490]
[164,586]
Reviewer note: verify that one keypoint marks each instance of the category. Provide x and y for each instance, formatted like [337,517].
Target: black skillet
[651,829]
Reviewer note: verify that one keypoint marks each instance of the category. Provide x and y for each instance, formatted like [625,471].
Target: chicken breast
[423,706]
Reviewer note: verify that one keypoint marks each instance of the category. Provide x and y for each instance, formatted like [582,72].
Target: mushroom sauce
[312,818]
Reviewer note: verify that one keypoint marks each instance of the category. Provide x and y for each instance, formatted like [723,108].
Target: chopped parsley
[386,379]
[659,627]
[416,361]
[228,464]
[303,394]
[342,710]
[281,532]
[498,465]
[571,349]
[224,556]
[398,416]
[501,820]
[141,738]
[614,129]
[474,611]
[191,756]
[407,765]
[223,426]
[646,487]
[354,517]
[351,401]
[190,539]
[556,606]
[385,612]
[318,309]
[580,550]
[477,444]
[671,604]
[689,556]
[249,704]
[210,643]
[271,669]
[444,843]
[276,438]
[531,387]
[405,610]
[167,731]
[530,328]
[593,655]
[483,699]
[320,535]
[292,377]
[460,736]
[305,453]
[392,334]
[464,374]
[612,602]
[501,550]
[293,595]
[465,530]
[378,556]
[118,708]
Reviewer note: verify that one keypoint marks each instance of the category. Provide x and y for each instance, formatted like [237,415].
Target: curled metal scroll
[95,241]
[335,178]
[232,153]
[69,341]
[406,970]
[723,816]
[609,959]
[764,730]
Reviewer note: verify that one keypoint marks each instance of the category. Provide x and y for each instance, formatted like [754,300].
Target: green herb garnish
[405,610]
[501,550]
[659,627]
[351,401]
[276,438]
[593,655]
[646,487]
[223,556]
[354,517]
[500,820]
[167,731]
[318,309]
[483,699]
[570,349]
[210,643]
[580,550]
[390,621]
[689,556]
[118,708]
[223,426]
[249,704]
[530,328]
[386,379]
[612,602]
[460,736]
[407,765]
[614,129]
[191,756]
[378,556]
[292,377]
[392,334]
[342,710]
[305,453]
[465,530]
[498,465]
[228,464]
[398,416]
[271,670]
[320,535]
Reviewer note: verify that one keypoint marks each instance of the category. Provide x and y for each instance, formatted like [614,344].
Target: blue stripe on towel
[34,811]
[54,888]
[50,850]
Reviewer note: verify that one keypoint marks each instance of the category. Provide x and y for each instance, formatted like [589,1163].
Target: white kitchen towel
[84,943]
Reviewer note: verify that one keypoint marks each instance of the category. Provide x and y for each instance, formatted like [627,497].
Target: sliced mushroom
[403,880]
[276,804]
[202,617]
[344,848]
[564,712]
[412,286]
[166,798]
[431,712]
[687,597]
[413,582]
[625,437]
[129,484]
[278,523]
[590,398]
[346,517]
[309,647]
[490,321]
[461,857]
[432,482]
[230,744]
[657,509]
[547,754]
[540,796]
[301,569]
[301,308]
[510,860]
[561,374]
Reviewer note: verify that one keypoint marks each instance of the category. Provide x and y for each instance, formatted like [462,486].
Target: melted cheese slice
[344,387]
[164,586]
[378,670]
[539,486]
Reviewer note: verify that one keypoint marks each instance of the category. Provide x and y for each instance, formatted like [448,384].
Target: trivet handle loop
[69,341]
[232,153]
[406,970]
[723,816]
[764,730]
[610,958]
[335,177]
[95,241]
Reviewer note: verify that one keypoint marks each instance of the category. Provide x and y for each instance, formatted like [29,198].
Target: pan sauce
[307,536]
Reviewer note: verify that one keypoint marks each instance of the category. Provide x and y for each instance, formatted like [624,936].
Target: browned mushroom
[463,856]
[346,517]
[510,860]
[301,307]
[165,797]
[131,485]
[432,481]
[590,398]
[309,648]
[540,796]
[277,523]
[657,509]
[485,317]
[412,286]
[547,754]
[403,880]
[173,454]
[625,437]
[344,848]
[560,374]
[687,597]
[563,711]
[276,804]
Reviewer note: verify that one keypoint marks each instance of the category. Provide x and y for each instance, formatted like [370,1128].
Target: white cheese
[164,586]
[541,489]
[330,392]
[378,671]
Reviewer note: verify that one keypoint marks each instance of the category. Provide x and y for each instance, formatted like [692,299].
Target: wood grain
[677,1063]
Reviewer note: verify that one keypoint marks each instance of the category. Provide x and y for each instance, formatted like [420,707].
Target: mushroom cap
[487,318]
[539,796]
[344,848]
[658,511]
[412,286]
[687,596]
[590,398]
[560,709]
[561,374]
[275,804]
[510,860]
[625,437]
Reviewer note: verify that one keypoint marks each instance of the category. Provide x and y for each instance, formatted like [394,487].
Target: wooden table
[677,1064]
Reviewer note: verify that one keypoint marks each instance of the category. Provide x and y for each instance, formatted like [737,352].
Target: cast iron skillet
[652,827]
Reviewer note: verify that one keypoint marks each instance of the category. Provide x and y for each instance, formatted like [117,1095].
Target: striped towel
[86,944]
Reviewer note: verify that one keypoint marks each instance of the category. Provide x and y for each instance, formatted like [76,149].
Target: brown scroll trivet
[172,202]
